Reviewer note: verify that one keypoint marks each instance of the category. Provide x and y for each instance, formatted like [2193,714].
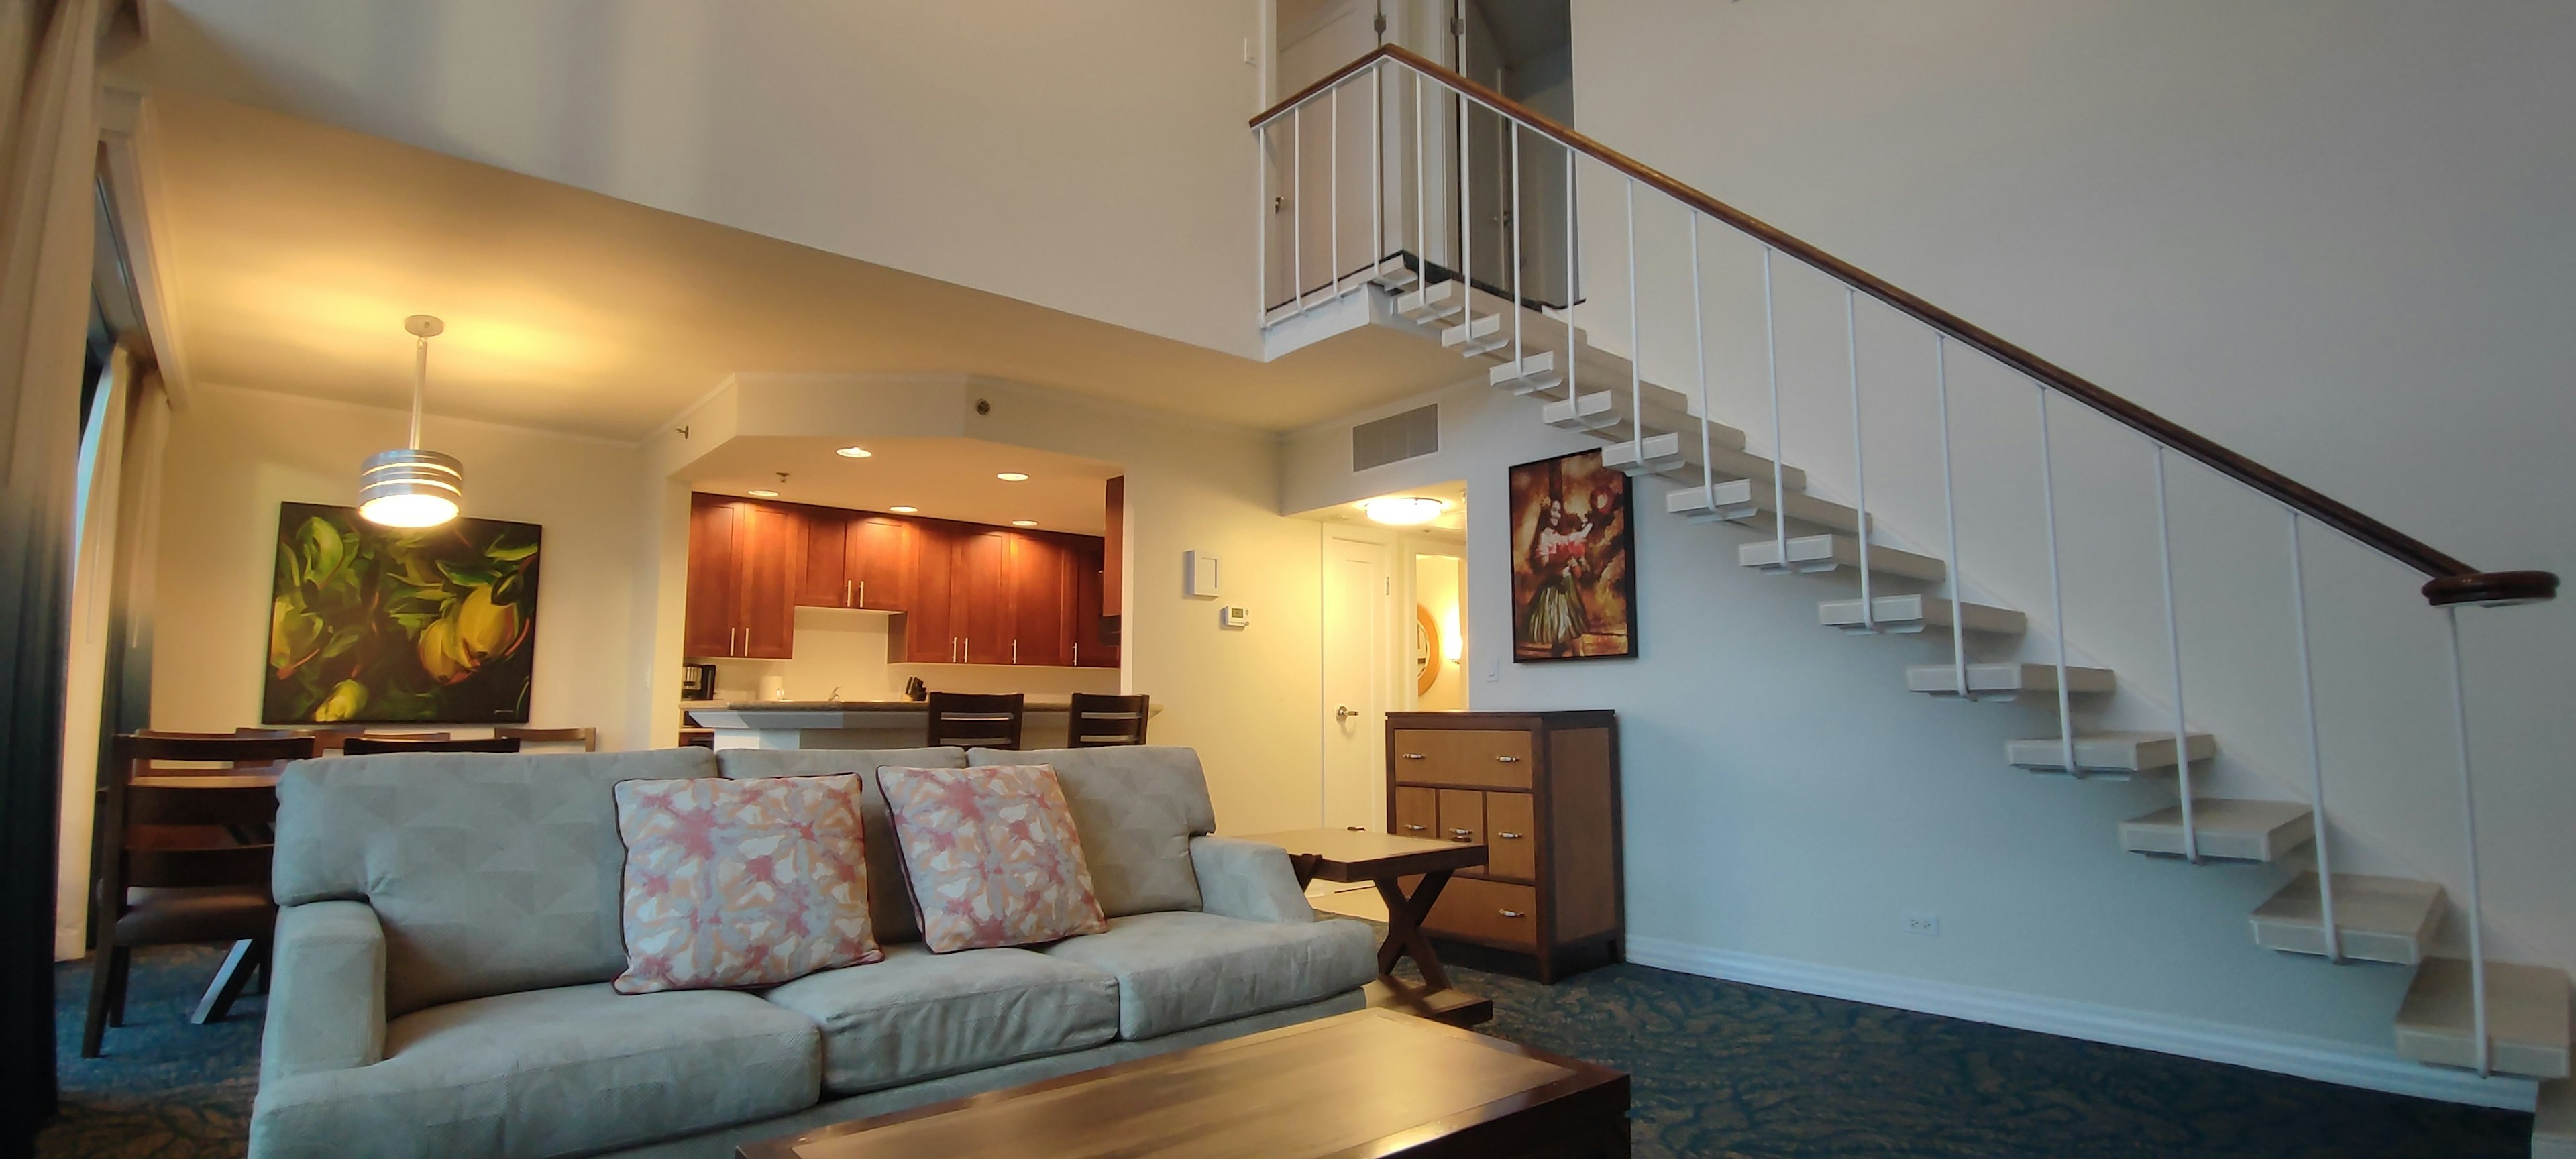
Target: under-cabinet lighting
[854,452]
[903,509]
[1012,477]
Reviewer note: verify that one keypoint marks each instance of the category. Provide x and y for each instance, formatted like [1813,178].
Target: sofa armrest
[326,992]
[1248,880]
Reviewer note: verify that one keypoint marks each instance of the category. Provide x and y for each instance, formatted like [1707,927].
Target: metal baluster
[2469,817]
[1333,173]
[1466,242]
[1261,250]
[1860,477]
[1699,346]
[2316,756]
[2173,649]
[1421,193]
[1950,513]
[1297,204]
[1636,357]
[1779,472]
[1514,224]
[2056,589]
[1570,336]
[1377,154]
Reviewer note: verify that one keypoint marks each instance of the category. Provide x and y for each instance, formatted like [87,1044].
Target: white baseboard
[2314,1058]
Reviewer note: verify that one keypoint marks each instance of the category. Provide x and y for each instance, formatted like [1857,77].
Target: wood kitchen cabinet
[1039,568]
[1541,791]
[856,559]
[742,586]
[1094,643]
[925,635]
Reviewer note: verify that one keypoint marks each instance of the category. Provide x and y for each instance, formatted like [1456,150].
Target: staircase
[2492,1017]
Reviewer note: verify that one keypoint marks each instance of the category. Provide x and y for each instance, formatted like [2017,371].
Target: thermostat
[1231,616]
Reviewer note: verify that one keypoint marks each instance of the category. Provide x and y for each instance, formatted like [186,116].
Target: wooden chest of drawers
[1541,790]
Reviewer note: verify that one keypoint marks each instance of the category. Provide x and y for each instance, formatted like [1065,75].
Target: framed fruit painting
[372,624]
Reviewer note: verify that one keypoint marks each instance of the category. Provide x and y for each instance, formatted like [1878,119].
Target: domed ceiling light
[412,487]
[1403,510]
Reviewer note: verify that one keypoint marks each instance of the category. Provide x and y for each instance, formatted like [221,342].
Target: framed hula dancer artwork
[1574,560]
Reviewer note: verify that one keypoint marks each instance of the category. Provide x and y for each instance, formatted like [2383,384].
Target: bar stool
[974,720]
[587,738]
[358,746]
[173,867]
[1099,721]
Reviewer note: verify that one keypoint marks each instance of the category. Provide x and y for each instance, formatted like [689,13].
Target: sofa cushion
[919,1015]
[1177,969]
[991,855]
[549,1072]
[889,906]
[1137,807]
[742,883]
[492,872]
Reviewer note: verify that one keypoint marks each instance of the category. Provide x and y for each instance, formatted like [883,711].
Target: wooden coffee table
[1374,1084]
[1353,855]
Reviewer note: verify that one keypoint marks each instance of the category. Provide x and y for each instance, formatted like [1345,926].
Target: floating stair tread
[2377,919]
[2526,1018]
[1677,458]
[1822,553]
[2108,752]
[2235,830]
[1914,613]
[1750,497]
[2004,679]
[1609,413]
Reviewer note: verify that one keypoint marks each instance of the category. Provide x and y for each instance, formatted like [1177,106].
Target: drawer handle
[1509,760]
[1413,828]
[1512,913]
[1509,836]
[1413,756]
[1462,834]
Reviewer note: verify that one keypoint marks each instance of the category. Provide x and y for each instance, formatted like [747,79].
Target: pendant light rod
[423,328]
[413,487]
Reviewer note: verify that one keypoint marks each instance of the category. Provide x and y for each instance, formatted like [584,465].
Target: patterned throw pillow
[991,855]
[742,883]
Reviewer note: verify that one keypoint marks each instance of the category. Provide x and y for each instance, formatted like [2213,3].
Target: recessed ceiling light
[763,493]
[1404,510]
[1012,477]
[900,509]
[1024,523]
[853,452]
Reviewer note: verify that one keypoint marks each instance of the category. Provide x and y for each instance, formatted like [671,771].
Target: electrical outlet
[1926,924]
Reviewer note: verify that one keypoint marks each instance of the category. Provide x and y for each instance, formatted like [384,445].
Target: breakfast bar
[855,724]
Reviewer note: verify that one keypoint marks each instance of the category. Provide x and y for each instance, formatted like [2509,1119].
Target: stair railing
[2450,583]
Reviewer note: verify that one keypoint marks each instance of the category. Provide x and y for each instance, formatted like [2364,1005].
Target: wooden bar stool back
[359,746]
[587,738]
[975,720]
[183,856]
[335,739]
[1099,720]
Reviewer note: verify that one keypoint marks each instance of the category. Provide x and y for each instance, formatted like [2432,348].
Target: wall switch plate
[1493,670]
[1231,616]
[1920,922]
[1198,570]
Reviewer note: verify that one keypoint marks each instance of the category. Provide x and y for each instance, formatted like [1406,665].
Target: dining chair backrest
[335,739]
[152,824]
[365,745]
[1099,720]
[974,720]
[587,738]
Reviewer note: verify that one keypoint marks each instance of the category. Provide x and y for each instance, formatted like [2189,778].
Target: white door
[1358,656]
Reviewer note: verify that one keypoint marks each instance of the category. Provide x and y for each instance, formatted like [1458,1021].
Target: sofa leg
[94,1027]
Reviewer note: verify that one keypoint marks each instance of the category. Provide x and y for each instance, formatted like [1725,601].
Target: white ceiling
[296,249]
[945,478]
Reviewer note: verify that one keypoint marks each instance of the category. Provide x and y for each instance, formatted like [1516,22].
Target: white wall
[236,454]
[1091,158]
[1437,590]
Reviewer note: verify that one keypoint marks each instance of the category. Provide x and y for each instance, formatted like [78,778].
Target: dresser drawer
[1417,813]
[1511,839]
[1496,912]
[1467,757]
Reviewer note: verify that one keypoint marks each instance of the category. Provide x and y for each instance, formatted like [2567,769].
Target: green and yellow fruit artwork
[370,624]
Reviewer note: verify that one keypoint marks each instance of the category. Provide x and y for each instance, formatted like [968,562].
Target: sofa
[448,925]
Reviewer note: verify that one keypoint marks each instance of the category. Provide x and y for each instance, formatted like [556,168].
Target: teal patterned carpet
[1721,1070]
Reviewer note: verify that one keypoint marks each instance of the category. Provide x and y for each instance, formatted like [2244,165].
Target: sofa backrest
[492,873]
[889,896]
[1136,808]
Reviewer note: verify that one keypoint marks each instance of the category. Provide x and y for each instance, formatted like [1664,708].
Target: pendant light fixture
[412,487]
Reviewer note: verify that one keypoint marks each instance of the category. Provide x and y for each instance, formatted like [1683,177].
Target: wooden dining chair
[1099,720]
[975,720]
[334,739]
[587,738]
[359,746]
[173,867]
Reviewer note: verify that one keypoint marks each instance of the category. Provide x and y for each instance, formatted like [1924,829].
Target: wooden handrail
[2452,581]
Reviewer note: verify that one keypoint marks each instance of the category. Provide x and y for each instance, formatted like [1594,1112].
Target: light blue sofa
[449,923]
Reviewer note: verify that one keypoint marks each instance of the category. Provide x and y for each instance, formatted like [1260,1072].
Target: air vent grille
[1395,438]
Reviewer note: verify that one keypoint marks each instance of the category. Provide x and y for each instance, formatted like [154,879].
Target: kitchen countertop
[869,706]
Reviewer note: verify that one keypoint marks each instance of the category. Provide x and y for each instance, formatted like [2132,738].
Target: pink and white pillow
[991,855]
[736,883]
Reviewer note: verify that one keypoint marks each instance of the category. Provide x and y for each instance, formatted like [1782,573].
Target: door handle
[1509,760]
[952,649]
[863,593]
[1463,834]
[1015,649]
[1511,913]
[1415,828]
[845,593]
[732,648]
[1412,756]
[1342,712]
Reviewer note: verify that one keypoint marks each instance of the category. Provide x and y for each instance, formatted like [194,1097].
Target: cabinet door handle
[1412,756]
[1509,760]
[1512,913]
[1015,649]
[845,593]
[952,649]
[1509,836]
[1414,828]
[1077,655]
[731,648]
[1462,834]
[863,593]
